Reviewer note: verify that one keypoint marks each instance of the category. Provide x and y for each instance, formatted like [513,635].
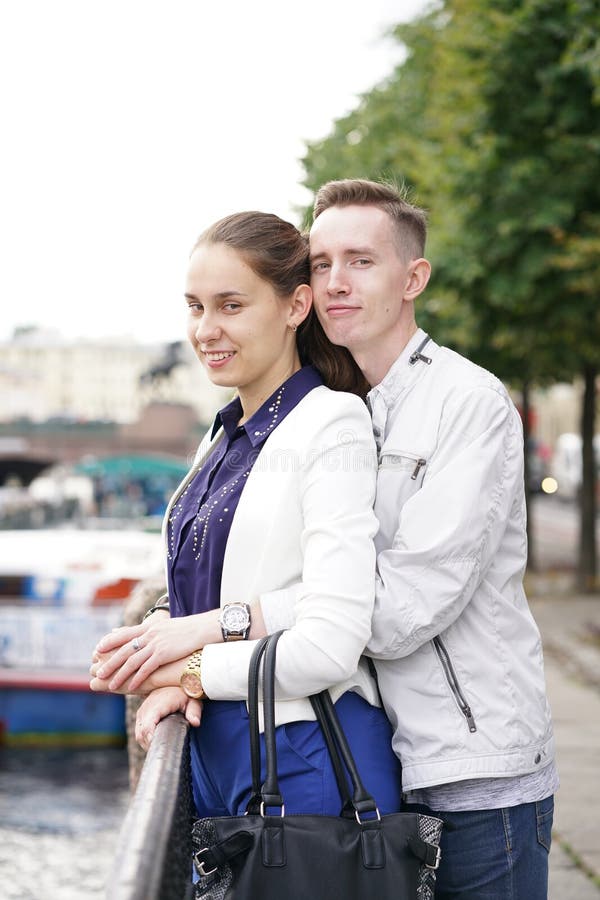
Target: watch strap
[162,603]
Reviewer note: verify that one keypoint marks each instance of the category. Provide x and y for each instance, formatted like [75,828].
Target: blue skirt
[220,753]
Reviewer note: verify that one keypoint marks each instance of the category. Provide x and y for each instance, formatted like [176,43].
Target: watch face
[235,618]
[191,685]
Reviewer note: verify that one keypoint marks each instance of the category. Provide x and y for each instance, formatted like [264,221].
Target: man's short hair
[410,222]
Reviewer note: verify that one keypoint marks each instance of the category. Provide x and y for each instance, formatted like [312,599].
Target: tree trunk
[587,568]
[526,416]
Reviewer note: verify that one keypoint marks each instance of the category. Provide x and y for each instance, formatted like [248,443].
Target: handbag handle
[338,768]
[253,678]
[341,755]
[339,749]
[270,793]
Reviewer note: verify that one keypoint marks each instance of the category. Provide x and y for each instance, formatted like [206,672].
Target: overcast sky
[128,126]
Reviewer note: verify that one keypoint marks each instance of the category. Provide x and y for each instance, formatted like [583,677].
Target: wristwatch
[235,621]
[162,603]
[191,677]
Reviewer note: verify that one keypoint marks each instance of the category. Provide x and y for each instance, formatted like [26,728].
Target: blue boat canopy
[131,466]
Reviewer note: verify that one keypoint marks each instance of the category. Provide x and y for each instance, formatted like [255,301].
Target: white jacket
[459,656]
[301,540]
[457,652]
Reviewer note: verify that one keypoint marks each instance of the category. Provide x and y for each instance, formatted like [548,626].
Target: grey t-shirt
[487,793]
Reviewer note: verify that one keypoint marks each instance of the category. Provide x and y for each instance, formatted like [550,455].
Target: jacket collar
[410,366]
[272,412]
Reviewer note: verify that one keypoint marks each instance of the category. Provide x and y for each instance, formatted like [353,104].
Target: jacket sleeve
[279,607]
[330,609]
[450,529]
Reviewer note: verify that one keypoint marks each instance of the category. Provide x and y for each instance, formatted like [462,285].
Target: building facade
[44,376]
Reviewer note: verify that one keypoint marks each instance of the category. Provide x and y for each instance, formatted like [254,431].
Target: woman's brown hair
[278,253]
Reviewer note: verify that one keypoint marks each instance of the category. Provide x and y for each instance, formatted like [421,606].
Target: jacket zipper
[418,467]
[452,680]
[402,461]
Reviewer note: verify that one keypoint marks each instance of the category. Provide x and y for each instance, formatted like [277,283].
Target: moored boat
[60,591]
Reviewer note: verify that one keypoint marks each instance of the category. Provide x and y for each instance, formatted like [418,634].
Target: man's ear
[419,274]
[301,304]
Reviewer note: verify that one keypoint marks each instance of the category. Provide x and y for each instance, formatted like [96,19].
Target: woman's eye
[232,307]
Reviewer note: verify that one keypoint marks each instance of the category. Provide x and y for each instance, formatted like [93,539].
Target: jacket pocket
[453,683]
[399,461]
[399,477]
[303,742]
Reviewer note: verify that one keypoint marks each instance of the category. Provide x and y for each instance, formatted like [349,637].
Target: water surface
[60,813]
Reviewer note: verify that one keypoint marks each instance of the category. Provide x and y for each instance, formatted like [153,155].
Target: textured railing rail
[154,851]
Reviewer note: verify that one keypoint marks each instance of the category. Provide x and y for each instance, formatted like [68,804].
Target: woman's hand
[168,675]
[101,684]
[138,650]
[160,703]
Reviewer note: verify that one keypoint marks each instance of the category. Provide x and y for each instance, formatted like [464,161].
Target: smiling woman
[276,510]
[243,285]
[232,309]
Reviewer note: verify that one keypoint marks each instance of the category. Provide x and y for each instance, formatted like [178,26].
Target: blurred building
[557,411]
[44,376]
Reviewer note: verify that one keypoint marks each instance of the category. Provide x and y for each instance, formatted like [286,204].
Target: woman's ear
[301,304]
[419,273]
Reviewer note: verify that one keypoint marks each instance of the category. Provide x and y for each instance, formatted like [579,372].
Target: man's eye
[320,267]
[363,262]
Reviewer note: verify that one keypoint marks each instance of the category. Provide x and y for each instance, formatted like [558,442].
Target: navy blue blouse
[199,523]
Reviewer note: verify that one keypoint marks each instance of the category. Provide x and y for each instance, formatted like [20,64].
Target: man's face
[359,279]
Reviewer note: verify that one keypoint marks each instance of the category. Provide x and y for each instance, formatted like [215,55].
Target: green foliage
[493,123]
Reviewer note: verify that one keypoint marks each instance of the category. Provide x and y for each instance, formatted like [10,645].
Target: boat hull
[61,590]
[58,710]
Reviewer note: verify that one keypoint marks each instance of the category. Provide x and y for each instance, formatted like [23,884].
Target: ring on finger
[136,644]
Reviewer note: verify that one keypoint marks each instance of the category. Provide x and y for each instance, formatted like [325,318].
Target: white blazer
[303,534]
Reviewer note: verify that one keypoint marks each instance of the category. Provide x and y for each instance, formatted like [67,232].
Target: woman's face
[238,326]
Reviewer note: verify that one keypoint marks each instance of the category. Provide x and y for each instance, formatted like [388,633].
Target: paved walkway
[570,627]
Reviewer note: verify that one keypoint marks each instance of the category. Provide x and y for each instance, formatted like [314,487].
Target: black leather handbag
[269,855]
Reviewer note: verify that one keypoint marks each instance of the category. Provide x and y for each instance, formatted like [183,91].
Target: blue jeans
[495,854]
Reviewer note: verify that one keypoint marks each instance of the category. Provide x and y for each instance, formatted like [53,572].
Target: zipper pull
[418,467]
[470,719]
[416,356]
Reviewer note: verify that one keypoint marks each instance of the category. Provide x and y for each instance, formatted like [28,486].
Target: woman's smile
[216,359]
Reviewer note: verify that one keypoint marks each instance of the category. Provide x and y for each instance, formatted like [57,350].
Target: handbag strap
[338,768]
[360,801]
[271,795]
[253,680]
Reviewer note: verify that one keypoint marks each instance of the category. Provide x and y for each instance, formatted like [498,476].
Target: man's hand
[161,703]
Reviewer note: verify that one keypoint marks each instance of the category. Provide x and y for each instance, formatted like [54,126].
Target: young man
[457,652]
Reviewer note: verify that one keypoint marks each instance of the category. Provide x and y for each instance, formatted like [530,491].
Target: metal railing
[153,860]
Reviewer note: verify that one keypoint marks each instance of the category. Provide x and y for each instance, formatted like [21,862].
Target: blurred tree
[393,135]
[532,222]
[493,119]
